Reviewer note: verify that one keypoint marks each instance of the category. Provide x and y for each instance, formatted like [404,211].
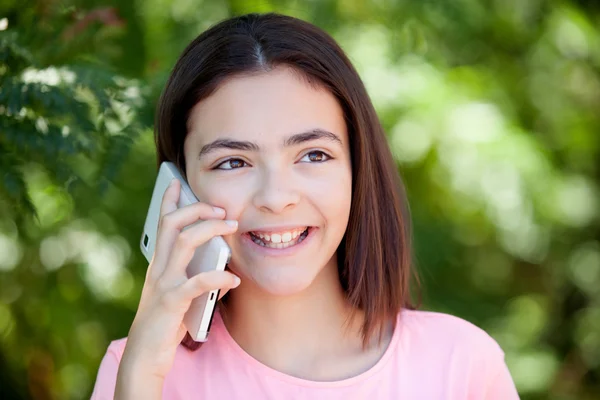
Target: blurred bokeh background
[492,110]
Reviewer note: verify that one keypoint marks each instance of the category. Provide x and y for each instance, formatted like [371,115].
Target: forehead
[265,107]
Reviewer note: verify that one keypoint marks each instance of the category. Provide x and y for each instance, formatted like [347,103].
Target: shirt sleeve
[106,380]
[501,385]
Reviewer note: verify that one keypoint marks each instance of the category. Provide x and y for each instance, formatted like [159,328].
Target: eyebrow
[293,140]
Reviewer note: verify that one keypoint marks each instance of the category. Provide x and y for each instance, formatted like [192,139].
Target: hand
[158,327]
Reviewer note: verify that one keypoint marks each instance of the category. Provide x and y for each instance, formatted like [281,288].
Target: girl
[273,129]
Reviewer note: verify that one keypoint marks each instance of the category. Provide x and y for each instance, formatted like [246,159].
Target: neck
[294,333]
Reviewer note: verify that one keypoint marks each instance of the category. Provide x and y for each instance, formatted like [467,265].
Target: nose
[277,192]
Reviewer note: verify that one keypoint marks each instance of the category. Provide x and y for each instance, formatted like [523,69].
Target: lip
[276,229]
[270,252]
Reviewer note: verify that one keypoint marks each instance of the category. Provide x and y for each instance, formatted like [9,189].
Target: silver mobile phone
[212,255]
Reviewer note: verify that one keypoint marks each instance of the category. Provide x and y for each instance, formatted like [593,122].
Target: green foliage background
[492,110]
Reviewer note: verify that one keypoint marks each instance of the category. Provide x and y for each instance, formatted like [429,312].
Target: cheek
[231,197]
[332,197]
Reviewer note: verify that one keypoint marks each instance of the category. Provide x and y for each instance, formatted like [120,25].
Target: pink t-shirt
[431,356]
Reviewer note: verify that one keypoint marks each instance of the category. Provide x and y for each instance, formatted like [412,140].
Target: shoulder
[446,330]
[456,351]
[447,339]
[104,387]
[116,348]
[106,378]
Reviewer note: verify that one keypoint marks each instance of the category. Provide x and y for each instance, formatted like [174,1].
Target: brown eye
[315,156]
[236,163]
[233,163]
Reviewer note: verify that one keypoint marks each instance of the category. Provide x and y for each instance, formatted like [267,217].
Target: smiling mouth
[280,240]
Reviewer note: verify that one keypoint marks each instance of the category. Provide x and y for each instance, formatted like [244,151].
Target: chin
[282,280]
[283,288]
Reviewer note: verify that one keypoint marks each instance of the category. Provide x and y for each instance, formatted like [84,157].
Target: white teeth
[279,240]
[281,237]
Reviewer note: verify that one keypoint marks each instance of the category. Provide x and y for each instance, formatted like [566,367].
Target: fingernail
[219,211]
[236,281]
[232,223]
[172,182]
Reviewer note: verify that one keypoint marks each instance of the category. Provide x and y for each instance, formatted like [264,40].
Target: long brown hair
[374,257]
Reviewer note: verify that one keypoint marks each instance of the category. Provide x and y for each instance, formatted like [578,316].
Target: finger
[173,223]
[179,218]
[206,282]
[173,220]
[168,204]
[169,200]
[187,241]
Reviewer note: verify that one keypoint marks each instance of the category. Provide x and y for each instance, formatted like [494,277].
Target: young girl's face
[274,153]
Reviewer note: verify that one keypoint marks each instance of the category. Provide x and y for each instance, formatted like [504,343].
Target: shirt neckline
[261,369]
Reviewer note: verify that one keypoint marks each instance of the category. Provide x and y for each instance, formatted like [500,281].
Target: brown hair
[374,257]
